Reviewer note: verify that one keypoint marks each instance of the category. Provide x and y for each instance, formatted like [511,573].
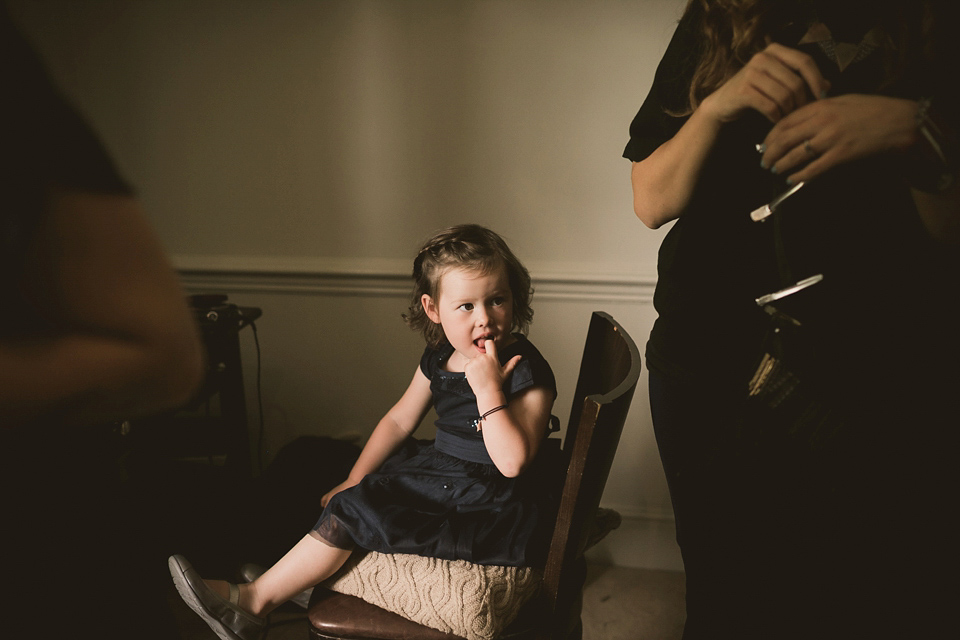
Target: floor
[620,603]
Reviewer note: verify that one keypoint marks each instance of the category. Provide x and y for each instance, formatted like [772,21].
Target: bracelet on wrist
[478,423]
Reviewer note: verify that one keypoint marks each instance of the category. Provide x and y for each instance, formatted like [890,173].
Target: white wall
[293,153]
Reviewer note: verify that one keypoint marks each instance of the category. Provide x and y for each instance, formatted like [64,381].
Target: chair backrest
[608,378]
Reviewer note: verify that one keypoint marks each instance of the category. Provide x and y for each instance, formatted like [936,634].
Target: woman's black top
[881,301]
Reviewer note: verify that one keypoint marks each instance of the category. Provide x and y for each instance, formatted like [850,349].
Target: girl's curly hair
[467,246]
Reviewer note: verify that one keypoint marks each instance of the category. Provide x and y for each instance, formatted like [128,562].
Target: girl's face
[473,307]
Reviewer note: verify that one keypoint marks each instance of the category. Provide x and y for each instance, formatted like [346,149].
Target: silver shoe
[224,617]
[251,572]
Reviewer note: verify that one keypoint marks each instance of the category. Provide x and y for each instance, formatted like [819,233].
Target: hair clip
[762,213]
[789,291]
[764,302]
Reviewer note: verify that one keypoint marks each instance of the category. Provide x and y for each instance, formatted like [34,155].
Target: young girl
[469,495]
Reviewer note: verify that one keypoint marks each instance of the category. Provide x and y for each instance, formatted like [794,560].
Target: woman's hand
[776,81]
[834,131]
[346,484]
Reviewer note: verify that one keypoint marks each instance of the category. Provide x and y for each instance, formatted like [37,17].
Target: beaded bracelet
[484,416]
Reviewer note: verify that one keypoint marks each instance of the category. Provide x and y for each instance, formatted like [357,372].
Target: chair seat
[340,616]
[340,613]
[337,616]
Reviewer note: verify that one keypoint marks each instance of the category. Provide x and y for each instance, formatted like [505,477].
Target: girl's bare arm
[512,435]
[399,423]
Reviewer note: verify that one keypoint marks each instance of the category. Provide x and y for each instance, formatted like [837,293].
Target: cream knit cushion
[469,600]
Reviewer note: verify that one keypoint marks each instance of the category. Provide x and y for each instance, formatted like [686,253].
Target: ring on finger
[808,148]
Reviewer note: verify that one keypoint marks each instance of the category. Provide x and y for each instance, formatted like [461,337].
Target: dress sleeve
[652,126]
[532,371]
[428,362]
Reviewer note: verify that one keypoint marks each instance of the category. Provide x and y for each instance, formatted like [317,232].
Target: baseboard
[640,543]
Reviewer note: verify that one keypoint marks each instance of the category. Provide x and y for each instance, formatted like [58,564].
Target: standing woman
[822,505]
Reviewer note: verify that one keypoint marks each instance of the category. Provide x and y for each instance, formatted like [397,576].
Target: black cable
[256,341]
[208,445]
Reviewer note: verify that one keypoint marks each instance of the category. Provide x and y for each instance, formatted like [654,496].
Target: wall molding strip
[388,278]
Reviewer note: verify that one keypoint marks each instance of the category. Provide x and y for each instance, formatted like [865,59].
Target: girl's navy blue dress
[445,498]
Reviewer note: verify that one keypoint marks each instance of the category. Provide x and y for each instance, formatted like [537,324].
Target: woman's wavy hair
[732,31]
[472,247]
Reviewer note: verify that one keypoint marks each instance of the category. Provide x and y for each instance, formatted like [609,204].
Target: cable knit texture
[473,601]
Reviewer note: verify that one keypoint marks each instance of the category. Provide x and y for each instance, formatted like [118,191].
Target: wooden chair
[608,378]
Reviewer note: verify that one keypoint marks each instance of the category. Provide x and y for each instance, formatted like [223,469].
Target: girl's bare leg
[309,561]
